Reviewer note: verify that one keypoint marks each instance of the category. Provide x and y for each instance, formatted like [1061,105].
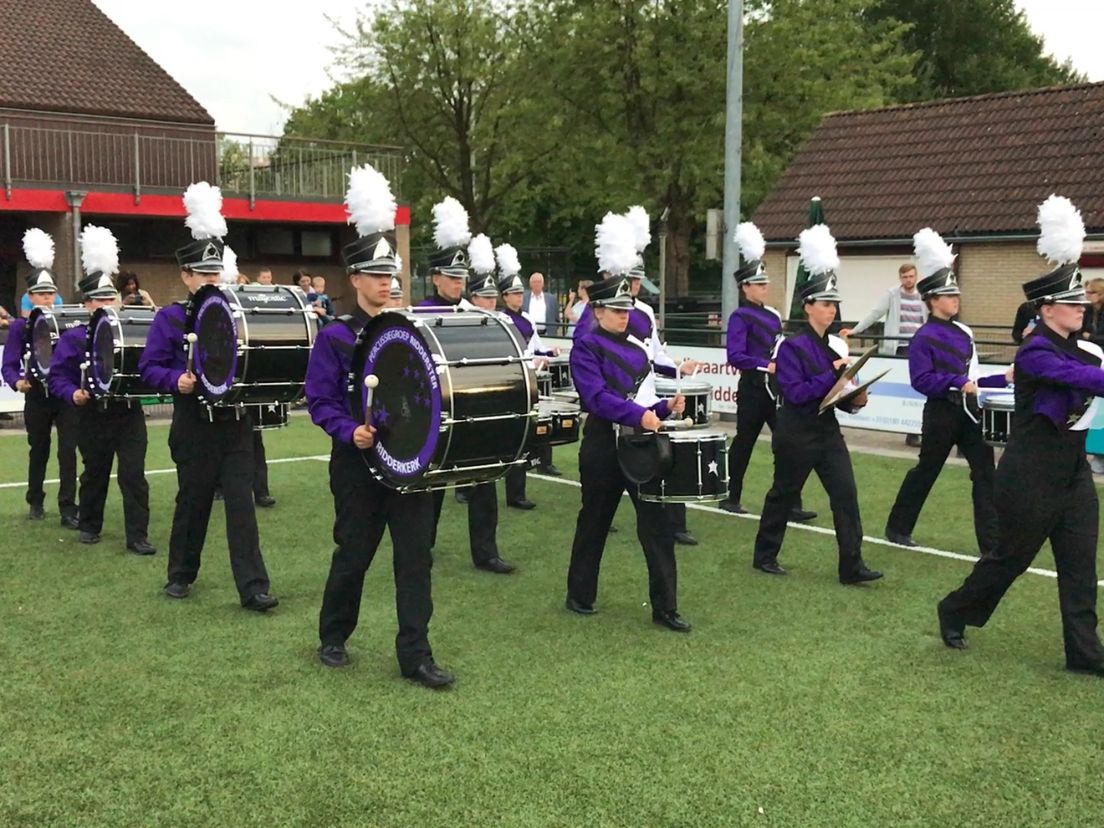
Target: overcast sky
[234,55]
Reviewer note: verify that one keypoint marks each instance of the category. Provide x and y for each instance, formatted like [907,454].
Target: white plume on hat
[508,262]
[615,244]
[1062,231]
[750,241]
[38,247]
[817,250]
[204,205]
[641,224]
[932,253]
[450,224]
[369,201]
[99,251]
[481,254]
[229,273]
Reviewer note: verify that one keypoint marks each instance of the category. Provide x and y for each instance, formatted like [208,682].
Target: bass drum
[116,339]
[46,325]
[698,394]
[269,416]
[698,472]
[253,343]
[456,399]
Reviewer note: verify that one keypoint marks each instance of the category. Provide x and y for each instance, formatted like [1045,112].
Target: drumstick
[84,375]
[189,369]
[678,377]
[370,382]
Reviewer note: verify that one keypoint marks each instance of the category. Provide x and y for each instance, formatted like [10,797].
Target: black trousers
[515,484]
[363,508]
[482,520]
[603,484]
[945,426]
[40,415]
[805,443]
[1042,495]
[260,466]
[208,454]
[754,409]
[104,434]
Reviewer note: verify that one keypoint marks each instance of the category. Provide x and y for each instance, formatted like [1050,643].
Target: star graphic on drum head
[713,467]
[382,416]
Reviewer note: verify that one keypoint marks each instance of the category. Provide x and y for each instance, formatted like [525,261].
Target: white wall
[862,281]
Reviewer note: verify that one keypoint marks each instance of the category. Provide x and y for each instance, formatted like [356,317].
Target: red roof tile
[966,166]
[67,56]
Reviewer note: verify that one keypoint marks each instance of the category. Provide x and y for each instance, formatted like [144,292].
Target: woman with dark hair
[130,291]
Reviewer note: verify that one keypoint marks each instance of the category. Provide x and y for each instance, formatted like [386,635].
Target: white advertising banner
[894,404]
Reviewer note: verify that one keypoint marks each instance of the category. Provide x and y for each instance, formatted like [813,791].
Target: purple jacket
[12,369]
[607,369]
[165,356]
[939,359]
[525,330]
[1056,378]
[752,333]
[640,326]
[804,371]
[69,353]
[327,386]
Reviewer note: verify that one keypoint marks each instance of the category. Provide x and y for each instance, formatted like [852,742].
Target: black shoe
[685,539]
[89,538]
[36,513]
[770,567]
[261,602]
[265,501]
[912,440]
[899,538]
[1091,669]
[672,621]
[952,632]
[801,515]
[430,675]
[70,522]
[579,607]
[175,589]
[496,565]
[142,547]
[550,470]
[333,655]
[732,506]
[462,496]
[861,576]
[523,504]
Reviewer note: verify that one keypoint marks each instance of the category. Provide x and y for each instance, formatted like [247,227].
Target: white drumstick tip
[688,421]
[371,381]
[192,338]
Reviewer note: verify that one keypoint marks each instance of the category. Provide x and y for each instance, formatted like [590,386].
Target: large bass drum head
[43,331]
[101,341]
[216,350]
[406,405]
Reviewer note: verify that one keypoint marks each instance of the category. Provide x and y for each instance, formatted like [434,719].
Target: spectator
[242,279]
[574,309]
[542,307]
[1026,317]
[1093,327]
[321,301]
[5,317]
[264,276]
[26,306]
[303,279]
[130,291]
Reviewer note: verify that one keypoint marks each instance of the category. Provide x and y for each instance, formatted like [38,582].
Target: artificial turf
[795,701]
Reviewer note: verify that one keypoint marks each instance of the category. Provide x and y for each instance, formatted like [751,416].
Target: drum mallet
[190,367]
[370,382]
[84,375]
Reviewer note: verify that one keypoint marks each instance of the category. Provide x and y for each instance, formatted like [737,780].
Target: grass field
[795,701]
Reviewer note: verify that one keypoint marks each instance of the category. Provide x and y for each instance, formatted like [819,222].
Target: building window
[275,241]
[317,243]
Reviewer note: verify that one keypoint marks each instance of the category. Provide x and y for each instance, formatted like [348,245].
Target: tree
[973,47]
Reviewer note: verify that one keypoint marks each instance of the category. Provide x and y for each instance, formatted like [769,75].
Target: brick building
[974,169]
[93,130]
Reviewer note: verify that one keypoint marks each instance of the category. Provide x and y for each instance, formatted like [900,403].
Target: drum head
[406,404]
[102,347]
[216,350]
[43,331]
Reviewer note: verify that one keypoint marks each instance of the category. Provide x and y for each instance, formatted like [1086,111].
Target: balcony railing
[248,166]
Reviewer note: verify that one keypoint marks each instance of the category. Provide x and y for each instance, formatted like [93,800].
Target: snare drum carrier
[456,400]
[252,345]
[45,326]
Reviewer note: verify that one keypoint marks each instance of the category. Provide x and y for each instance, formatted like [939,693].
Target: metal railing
[243,165]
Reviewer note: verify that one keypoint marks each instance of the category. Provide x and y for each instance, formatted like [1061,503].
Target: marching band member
[41,412]
[808,365]
[210,446]
[448,267]
[754,329]
[943,366]
[395,297]
[1044,487]
[608,365]
[106,428]
[364,507]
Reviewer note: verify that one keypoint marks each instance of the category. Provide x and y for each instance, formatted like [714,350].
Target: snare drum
[699,469]
[253,345]
[268,416]
[116,339]
[560,369]
[46,325]
[557,423]
[698,394]
[456,401]
[996,417]
[544,384]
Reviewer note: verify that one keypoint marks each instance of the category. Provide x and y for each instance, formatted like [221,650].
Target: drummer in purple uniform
[1044,486]
[209,445]
[608,365]
[943,366]
[807,440]
[106,428]
[364,507]
[754,329]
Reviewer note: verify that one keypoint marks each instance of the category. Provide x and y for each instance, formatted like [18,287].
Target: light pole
[734,110]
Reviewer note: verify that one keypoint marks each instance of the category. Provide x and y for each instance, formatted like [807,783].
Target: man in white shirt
[542,307]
